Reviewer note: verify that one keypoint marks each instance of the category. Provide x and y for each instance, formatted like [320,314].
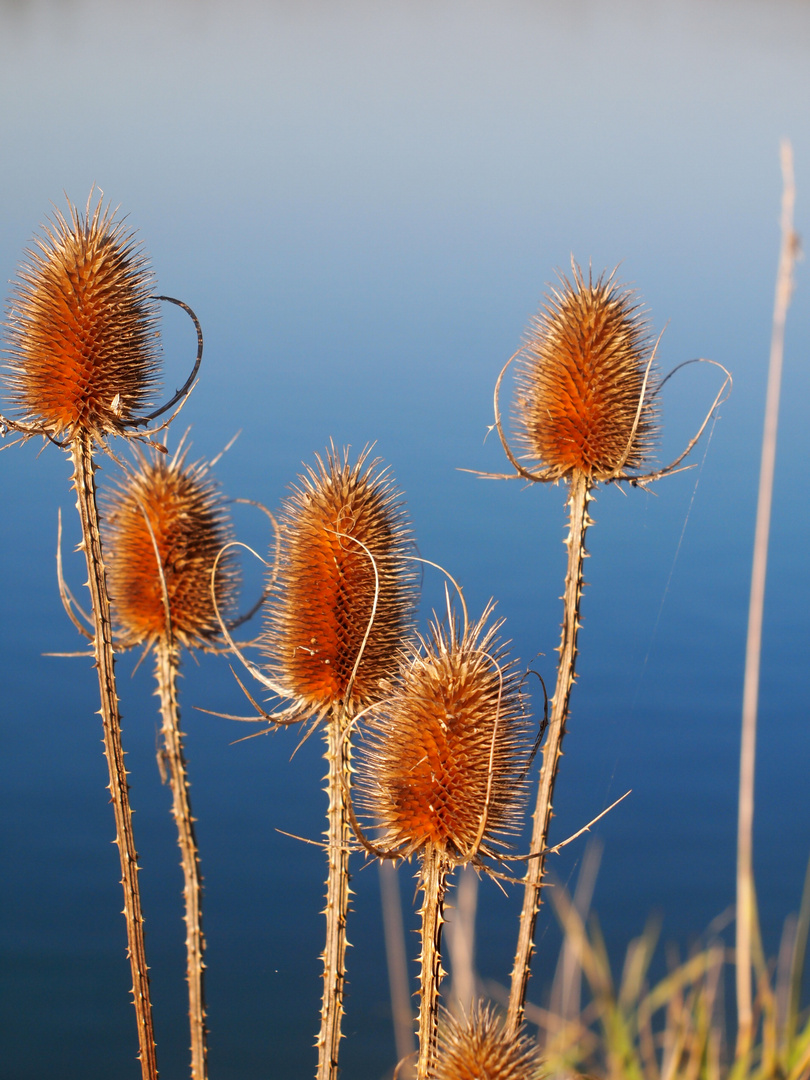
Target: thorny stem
[433,882]
[84,484]
[337,893]
[552,751]
[167,660]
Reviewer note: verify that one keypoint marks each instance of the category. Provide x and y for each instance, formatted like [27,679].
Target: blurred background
[365,202]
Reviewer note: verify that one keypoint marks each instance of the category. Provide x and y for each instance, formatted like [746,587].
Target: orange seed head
[580,379]
[342,523]
[447,750]
[478,1048]
[82,327]
[187,516]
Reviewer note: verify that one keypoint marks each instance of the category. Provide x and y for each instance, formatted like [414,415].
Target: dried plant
[164,526]
[478,1047]
[82,363]
[789,250]
[334,623]
[585,412]
[441,773]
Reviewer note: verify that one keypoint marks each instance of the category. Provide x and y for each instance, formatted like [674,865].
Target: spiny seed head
[580,381]
[185,511]
[444,756]
[478,1048]
[82,327]
[345,585]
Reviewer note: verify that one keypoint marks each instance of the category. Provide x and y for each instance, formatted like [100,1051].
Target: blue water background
[364,203]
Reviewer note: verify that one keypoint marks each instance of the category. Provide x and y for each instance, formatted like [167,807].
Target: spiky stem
[84,484]
[337,895]
[167,662]
[579,521]
[433,882]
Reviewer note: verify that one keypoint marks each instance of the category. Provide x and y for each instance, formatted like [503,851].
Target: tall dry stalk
[396,957]
[165,525]
[441,774]
[585,413]
[82,365]
[745,823]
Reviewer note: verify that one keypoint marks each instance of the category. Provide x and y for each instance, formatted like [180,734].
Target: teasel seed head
[185,510]
[444,756]
[581,403]
[346,587]
[82,327]
[478,1048]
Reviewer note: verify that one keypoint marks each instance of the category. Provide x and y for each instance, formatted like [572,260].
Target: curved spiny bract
[581,403]
[346,541]
[478,1047]
[82,328]
[165,524]
[441,772]
[168,517]
[343,602]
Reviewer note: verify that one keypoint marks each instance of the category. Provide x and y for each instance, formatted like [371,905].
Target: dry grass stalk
[82,363]
[441,774]
[334,625]
[164,527]
[745,825]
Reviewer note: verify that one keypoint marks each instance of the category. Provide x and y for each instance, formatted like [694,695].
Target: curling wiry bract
[441,773]
[165,524]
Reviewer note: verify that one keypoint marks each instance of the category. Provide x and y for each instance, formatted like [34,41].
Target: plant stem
[84,484]
[433,883]
[579,521]
[337,895]
[167,661]
[397,959]
[745,820]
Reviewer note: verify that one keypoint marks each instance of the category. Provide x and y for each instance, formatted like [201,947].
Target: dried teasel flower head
[346,585]
[171,517]
[82,327]
[445,755]
[479,1048]
[584,389]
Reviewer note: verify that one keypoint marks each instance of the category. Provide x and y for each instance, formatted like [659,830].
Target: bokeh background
[365,202]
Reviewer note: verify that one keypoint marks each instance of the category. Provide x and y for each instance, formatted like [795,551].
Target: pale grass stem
[745,824]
